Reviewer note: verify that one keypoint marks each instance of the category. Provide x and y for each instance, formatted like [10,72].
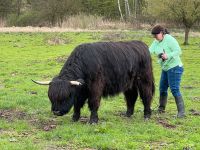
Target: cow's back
[117,63]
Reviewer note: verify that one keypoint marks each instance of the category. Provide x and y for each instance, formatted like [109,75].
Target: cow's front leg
[76,115]
[78,104]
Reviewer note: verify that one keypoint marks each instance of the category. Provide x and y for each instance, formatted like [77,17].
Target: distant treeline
[185,13]
[54,12]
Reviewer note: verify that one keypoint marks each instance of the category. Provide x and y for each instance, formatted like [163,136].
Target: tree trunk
[135,8]
[19,5]
[60,21]
[127,8]
[120,11]
[187,30]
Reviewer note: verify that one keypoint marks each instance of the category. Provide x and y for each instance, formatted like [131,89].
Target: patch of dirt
[15,73]
[52,147]
[49,127]
[46,125]
[165,124]
[58,41]
[187,148]
[194,112]
[114,36]
[12,114]
[196,98]
[44,29]
[123,114]
[67,147]
[26,134]
[1,130]
[84,119]
[2,86]
[61,59]
[32,92]
[188,87]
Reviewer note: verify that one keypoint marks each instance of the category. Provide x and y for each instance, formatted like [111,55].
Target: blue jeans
[172,79]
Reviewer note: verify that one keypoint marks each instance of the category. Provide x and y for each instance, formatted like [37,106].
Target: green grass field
[26,121]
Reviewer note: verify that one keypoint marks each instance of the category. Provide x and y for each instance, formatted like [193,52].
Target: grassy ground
[27,123]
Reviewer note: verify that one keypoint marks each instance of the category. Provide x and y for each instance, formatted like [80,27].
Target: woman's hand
[164,56]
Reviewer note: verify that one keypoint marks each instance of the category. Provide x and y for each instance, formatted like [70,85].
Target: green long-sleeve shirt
[170,46]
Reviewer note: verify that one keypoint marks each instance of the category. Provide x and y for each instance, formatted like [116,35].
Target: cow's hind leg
[93,103]
[145,90]
[130,97]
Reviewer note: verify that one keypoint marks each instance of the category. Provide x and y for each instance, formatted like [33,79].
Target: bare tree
[5,8]
[135,2]
[55,11]
[120,11]
[127,8]
[185,12]
[18,6]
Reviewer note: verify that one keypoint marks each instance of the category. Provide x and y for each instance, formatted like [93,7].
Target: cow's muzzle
[58,113]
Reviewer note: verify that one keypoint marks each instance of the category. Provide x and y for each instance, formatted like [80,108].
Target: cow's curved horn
[41,82]
[75,83]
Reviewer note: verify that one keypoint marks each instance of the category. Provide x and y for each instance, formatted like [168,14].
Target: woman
[168,51]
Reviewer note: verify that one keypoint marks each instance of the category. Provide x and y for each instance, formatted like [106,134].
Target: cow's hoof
[126,114]
[129,114]
[147,117]
[93,121]
[161,111]
[75,118]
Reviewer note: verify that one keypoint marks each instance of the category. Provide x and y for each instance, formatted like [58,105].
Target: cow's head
[61,94]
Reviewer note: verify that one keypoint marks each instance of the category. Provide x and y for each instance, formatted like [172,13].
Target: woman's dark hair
[158,28]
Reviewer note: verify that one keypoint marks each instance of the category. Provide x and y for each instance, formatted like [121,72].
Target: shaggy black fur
[107,68]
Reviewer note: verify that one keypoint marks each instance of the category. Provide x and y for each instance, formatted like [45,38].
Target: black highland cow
[103,69]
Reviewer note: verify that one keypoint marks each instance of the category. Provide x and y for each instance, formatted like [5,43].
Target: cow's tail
[147,70]
[151,76]
[153,81]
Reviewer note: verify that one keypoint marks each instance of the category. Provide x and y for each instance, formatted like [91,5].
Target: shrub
[26,19]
